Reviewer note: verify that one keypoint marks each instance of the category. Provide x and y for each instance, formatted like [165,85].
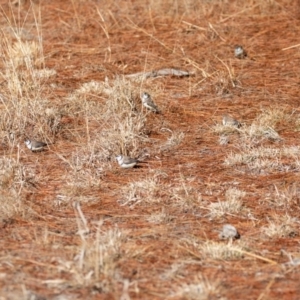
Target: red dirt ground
[144,35]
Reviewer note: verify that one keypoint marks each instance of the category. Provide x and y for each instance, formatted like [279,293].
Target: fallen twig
[161,72]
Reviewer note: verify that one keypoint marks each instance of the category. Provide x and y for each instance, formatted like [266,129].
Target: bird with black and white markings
[34,145]
[148,102]
[239,52]
[229,232]
[230,121]
[126,162]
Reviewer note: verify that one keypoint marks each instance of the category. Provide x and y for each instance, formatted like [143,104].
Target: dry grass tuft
[149,190]
[116,108]
[185,195]
[160,217]
[266,159]
[173,141]
[284,198]
[27,54]
[221,251]
[14,177]
[23,107]
[272,116]
[281,226]
[232,205]
[200,289]
[95,263]
[65,85]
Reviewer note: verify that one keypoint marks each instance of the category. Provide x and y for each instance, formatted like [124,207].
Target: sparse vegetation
[232,204]
[74,224]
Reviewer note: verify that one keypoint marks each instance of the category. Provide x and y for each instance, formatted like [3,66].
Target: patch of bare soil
[224,149]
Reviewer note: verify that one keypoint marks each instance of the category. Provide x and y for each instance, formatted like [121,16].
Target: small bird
[229,121]
[148,103]
[224,139]
[126,162]
[229,232]
[35,145]
[239,52]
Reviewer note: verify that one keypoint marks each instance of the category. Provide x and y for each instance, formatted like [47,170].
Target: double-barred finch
[229,121]
[239,52]
[148,103]
[229,232]
[35,145]
[126,162]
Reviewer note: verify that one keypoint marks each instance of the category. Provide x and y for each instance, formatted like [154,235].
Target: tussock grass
[270,117]
[88,165]
[185,195]
[160,217]
[14,177]
[102,119]
[145,191]
[24,54]
[174,140]
[95,262]
[116,107]
[152,190]
[263,127]
[200,289]
[13,174]
[221,251]
[232,205]
[223,82]
[283,197]
[23,107]
[215,250]
[281,226]
[256,133]
[266,158]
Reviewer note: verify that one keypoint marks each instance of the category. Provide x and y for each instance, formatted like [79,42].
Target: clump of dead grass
[95,262]
[88,165]
[265,159]
[284,198]
[28,54]
[22,109]
[232,205]
[199,289]
[148,190]
[173,141]
[161,217]
[14,177]
[221,251]
[86,168]
[185,195]
[262,128]
[116,107]
[223,82]
[281,226]
[215,250]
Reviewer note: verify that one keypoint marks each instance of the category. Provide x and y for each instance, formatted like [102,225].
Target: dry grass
[200,289]
[220,251]
[266,159]
[76,225]
[281,226]
[232,205]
